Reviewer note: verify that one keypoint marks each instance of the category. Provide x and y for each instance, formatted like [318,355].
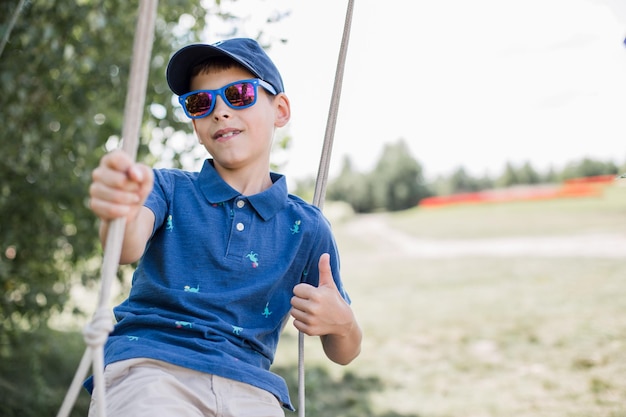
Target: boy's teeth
[225,135]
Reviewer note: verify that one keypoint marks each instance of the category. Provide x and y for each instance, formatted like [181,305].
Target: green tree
[551,176]
[63,80]
[527,174]
[397,181]
[352,187]
[462,182]
[509,177]
[588,168]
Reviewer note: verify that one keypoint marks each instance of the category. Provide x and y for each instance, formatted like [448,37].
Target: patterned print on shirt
[170,224]
[254,258]
[267,311]
[237,330]
[180,324]
[191,289]
[231,213]
[296,227]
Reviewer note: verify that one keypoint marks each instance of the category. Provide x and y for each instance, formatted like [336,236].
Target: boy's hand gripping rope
[97,332]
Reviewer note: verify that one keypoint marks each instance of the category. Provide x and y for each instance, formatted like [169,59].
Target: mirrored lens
[199,104]
[240,94]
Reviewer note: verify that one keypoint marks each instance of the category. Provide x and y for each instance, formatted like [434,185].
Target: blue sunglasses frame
[255,82]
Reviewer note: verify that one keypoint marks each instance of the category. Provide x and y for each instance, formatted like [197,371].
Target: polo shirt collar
[266,203]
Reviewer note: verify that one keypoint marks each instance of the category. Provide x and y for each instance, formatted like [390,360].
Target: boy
[226,255]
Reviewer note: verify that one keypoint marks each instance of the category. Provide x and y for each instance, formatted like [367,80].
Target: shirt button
[240,226]
[241,203]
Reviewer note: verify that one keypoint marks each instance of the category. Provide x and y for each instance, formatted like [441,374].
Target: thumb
[326,275]
[136,173]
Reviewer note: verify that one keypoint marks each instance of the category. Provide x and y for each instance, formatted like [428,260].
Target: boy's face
[239,138]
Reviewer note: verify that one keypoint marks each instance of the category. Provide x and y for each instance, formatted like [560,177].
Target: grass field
[473,334]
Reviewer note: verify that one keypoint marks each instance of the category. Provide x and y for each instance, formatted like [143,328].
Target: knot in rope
[97,332]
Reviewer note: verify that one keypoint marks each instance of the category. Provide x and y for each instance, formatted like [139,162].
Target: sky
[483,82]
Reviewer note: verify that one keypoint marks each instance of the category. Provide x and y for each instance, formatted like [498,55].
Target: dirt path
[599,245]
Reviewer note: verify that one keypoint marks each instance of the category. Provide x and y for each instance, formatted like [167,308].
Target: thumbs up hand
[319,311]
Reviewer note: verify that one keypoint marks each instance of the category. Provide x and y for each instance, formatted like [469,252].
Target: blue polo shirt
[212,291]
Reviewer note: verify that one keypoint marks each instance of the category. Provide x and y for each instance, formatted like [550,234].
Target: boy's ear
[283,110]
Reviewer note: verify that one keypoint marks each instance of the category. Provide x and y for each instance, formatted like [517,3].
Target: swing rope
[97,332]
[10,24]
[322,173]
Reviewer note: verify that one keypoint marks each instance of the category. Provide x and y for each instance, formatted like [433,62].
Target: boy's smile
[225,134]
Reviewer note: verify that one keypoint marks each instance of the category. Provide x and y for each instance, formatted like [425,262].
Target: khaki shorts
[150,388]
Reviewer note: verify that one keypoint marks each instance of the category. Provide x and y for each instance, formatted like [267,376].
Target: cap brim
[178,72]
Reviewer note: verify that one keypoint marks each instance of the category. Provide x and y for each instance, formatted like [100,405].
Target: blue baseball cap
[245,51]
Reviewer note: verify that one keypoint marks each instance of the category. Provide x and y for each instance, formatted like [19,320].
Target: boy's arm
[119,189]
[136,235]
[323,312]
[343,348]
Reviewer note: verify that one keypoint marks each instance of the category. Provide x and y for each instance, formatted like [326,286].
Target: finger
[299,325]
[147,181]
[297,314]
[303,290]
[104,192]
[117,160]
[108,211]
[326,275]
[140,173]
[106,179]
[300,322]
[121,170]
[300,304]
[302,328]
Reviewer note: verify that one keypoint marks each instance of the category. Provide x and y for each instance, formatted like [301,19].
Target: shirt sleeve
[325,243]
[158,198]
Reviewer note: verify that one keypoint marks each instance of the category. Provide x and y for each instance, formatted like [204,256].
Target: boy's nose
[221,108]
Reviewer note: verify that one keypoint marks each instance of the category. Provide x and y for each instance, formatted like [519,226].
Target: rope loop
[97,332]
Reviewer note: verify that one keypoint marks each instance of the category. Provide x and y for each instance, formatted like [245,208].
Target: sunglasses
[238,95]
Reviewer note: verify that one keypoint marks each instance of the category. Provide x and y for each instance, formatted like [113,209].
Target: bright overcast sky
[465,83]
